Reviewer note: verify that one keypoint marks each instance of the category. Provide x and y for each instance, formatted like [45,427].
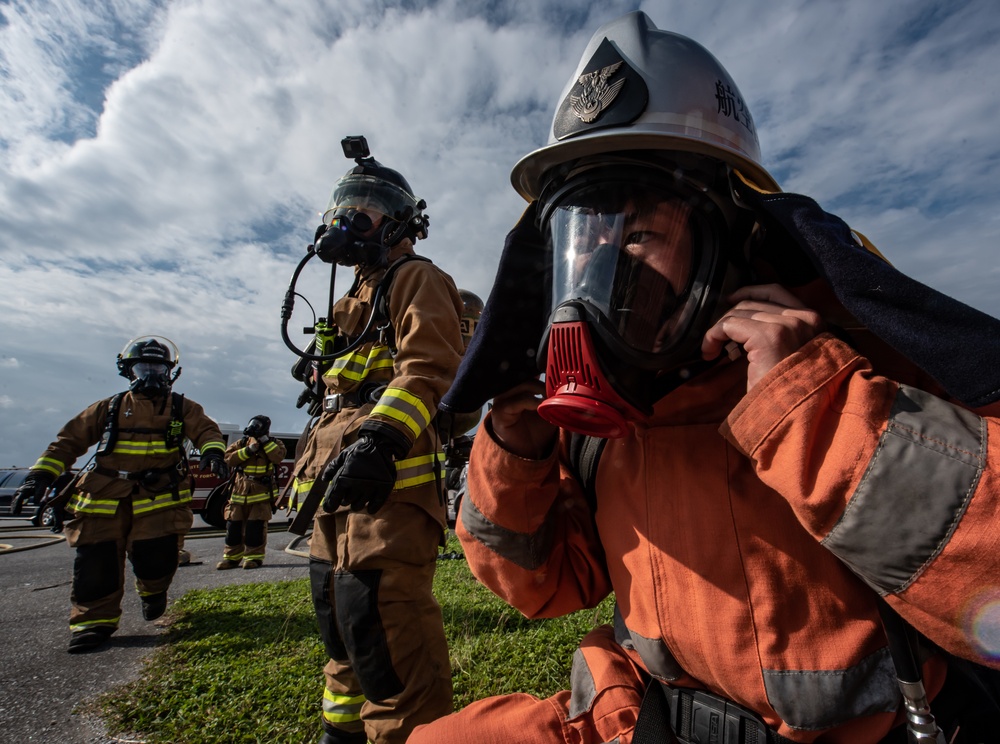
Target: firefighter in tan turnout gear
[376,458]
[254,459]
[134,499]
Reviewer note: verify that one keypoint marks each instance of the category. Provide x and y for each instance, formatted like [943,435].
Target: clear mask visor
[369,195]
[150,371]
[633,253]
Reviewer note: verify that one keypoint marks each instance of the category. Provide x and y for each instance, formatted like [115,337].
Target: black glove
[363,474]
[213,461]
[36,485]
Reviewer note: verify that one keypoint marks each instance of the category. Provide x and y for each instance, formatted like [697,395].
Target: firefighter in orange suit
[254,459]
[134,500]
[376,456]
[793,471]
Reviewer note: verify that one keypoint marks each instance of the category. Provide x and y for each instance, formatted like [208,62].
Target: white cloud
[162,164]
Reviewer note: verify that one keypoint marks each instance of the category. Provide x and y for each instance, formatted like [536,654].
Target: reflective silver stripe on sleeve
[913,493]
[659,661]
[824,698]
[529,551]
[582,687]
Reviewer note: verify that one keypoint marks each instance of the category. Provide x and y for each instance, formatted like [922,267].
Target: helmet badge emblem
[597,93]
[607,92]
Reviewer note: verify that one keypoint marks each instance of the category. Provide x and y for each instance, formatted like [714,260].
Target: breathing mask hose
[288,305]
[921,727]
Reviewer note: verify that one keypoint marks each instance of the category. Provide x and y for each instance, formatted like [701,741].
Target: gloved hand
[213,461]
[257,443]
[36,485]
[364,474]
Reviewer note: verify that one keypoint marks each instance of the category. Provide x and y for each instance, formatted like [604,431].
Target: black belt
[123,474]
[698,716]
[148,479]
[368,393]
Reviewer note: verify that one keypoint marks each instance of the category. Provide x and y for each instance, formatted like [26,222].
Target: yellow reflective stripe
[254,498]
[299,487]
[253,556]
[138,447]
[143,505]
[415,471]
[341,708]
[244,453]
[271,446]
[356,366]
[51,465]
[83,625]
[405,407]
[87,504]
[255,469]
[214,444]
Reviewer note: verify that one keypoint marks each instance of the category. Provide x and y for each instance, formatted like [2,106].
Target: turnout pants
[383,630]
[246,531]
[150,542]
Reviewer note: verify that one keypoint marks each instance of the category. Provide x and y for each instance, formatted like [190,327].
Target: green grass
[244,663]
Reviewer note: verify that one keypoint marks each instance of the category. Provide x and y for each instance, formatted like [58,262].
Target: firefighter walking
[253,460]
[134,500]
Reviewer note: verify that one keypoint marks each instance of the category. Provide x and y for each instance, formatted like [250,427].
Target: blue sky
[162,164]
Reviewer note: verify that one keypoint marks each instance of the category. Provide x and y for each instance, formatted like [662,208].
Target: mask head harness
[146,361]
[371,210]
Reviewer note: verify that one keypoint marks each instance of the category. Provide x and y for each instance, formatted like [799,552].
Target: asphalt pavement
[43,689]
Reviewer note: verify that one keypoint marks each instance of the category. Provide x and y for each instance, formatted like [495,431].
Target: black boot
[336,736]
[154,605]
[83,641]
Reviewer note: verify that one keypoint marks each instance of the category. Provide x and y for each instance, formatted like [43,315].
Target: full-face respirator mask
[642,254]
[147,362]
[636,209]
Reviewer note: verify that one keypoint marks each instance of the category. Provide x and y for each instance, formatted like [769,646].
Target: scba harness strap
[152,479]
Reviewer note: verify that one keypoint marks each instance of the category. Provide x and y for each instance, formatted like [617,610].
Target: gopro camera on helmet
[355,147]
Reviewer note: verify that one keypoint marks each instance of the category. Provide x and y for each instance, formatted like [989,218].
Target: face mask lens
[149,370]
[361,219]
[629,251]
